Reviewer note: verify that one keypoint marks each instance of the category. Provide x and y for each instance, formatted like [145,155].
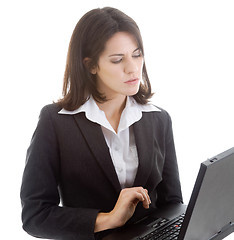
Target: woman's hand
[124,208]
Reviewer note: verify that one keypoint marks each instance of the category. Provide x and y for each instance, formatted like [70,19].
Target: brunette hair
[88,40]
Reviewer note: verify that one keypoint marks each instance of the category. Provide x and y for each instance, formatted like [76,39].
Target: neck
[113,109]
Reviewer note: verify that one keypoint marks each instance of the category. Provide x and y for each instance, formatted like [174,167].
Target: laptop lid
[210,212]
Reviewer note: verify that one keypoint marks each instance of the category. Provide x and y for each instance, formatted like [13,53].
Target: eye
[116,61]
[137,54]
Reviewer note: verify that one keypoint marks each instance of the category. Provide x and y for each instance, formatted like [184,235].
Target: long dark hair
[88,40]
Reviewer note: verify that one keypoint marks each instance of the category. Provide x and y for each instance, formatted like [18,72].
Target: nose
[131,66]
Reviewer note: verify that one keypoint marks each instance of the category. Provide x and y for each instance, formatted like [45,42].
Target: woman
[103,150]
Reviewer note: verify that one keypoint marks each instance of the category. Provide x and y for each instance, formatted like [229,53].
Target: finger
[146,200]
[140,196]
[148,197]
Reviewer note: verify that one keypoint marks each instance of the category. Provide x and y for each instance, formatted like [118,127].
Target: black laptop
[208,216]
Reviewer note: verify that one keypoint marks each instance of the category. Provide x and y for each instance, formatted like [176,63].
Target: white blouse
[122,144]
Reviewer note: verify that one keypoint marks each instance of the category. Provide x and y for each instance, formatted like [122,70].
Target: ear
[87,62]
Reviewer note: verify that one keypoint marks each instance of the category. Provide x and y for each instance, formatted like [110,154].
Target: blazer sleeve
[41,214]
[169,189]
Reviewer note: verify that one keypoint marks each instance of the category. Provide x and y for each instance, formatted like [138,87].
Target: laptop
[208,216]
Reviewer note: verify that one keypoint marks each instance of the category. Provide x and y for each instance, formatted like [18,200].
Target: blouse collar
[131,113]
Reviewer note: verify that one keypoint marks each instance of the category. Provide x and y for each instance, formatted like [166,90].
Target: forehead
[120,43]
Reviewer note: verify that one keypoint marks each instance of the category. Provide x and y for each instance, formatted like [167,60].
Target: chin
[133,92]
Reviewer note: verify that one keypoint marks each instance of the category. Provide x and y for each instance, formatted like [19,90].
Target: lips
[132,81]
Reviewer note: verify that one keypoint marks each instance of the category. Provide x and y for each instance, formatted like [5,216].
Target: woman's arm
[41,214]
[169,190]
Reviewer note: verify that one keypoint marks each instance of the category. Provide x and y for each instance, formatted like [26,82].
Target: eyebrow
[119,54]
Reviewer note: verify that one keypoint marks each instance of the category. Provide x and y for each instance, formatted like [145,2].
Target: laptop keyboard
[170,231]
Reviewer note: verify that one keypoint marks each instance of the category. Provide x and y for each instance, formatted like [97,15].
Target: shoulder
[161,114]
[159,120]
[50,111]
[49,114]
[53,108]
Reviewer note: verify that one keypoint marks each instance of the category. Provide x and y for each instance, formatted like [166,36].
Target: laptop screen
[211,206]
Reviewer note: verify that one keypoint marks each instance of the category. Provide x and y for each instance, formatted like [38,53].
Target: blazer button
[119,169]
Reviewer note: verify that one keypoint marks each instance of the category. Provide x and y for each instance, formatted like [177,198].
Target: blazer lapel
[143,131]
[94,137]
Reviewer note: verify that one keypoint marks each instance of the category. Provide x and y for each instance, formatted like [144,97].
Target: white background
[190,60]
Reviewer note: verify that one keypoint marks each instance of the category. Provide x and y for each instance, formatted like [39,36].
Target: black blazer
[69,160]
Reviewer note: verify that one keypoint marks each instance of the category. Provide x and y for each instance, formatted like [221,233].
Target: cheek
[110,76]
[113,73]
[140,65]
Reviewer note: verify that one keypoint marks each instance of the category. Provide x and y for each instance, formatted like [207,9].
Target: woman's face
[119,69]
